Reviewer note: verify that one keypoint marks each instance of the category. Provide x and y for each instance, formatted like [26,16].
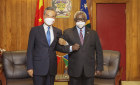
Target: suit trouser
[82,80]
[43,80]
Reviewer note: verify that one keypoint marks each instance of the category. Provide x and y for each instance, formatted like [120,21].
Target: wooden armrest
[118,76]
[2,77]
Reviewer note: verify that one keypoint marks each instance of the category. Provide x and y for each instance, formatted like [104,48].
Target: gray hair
[49,8]
[79,13]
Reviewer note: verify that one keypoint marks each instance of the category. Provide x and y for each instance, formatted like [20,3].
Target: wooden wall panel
[132,58]
[18,24]
[7,34]
[2,21]
[17,18]
[138,38]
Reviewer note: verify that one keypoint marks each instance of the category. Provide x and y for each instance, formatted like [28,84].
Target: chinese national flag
[39,13]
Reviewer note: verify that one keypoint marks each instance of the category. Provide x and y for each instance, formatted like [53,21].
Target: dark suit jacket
[84,58]
[40,56]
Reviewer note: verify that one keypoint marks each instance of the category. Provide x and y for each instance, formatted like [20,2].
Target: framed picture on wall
[62,7]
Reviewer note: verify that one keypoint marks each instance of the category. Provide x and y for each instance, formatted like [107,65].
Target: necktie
[48,35]
[81,37]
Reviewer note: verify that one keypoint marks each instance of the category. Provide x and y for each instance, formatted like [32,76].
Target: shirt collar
[46,27]
[80,28]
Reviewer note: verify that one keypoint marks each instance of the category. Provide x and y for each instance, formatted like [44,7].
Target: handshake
[75,47]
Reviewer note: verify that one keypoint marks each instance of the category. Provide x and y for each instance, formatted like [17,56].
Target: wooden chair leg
[118,77]
[2,78]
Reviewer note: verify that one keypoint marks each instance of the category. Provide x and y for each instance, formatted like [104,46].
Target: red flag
[39,13]
[58,59]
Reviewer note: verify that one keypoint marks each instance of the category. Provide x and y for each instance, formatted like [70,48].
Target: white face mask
[80,24]
[49,21]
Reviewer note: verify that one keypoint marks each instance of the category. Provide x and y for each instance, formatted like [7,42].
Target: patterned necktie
[81,37]
[48,35]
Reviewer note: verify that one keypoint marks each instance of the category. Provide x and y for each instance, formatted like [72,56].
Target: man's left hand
[98,73]
[62,41]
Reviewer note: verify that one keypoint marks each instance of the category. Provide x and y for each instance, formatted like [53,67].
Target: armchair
[14,64]
[112,73]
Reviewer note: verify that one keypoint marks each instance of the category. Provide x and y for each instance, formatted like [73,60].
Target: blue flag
[84,8]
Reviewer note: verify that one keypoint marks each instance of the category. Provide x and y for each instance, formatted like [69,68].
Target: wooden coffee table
[130,82]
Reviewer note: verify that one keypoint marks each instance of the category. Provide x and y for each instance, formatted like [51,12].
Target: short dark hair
[49,8]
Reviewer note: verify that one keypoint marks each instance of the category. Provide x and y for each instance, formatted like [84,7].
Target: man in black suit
[81,66]
[41,52]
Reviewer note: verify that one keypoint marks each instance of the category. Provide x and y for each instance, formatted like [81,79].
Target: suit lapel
[86,35]
[43,35]
[76,36]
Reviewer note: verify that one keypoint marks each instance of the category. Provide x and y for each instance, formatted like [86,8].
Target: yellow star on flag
[40,20]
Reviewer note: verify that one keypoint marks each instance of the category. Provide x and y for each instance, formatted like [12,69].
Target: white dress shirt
[83,31]
[51,32]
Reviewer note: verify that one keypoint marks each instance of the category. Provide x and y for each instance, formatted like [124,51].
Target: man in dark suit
[81,66]
[41,52]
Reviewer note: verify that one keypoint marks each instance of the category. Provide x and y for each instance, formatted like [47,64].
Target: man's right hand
[75,47]
[30,72]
